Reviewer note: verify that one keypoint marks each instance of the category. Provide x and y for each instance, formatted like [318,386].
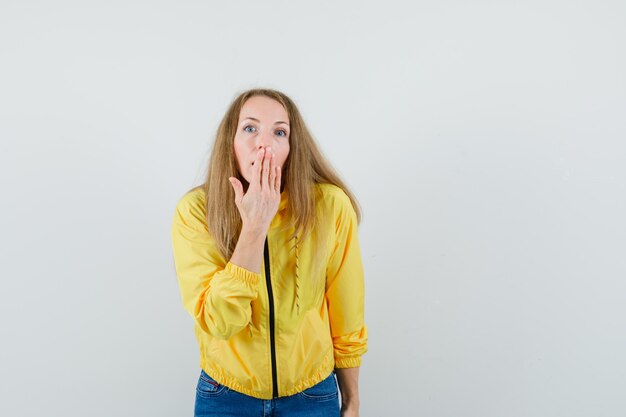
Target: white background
[483,139]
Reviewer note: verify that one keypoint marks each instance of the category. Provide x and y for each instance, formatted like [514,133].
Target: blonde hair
[304,167]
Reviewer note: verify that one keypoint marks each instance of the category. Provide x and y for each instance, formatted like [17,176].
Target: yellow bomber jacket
[280,331]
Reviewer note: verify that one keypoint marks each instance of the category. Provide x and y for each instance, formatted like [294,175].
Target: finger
[272,177]
[256,172]
[278,176]
[238,189]
[266,169]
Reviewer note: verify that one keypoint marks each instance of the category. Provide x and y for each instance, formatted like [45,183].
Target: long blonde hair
[309,167]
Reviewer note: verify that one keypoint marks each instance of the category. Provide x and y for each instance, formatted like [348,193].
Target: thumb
[237,187]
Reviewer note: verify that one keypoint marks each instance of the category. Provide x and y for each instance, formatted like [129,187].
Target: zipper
[266,253]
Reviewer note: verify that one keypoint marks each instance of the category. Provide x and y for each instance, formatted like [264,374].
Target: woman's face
[263,123]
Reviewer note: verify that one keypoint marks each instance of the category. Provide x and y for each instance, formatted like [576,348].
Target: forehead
[263,108]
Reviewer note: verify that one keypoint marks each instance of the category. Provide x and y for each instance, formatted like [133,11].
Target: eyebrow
[257,120]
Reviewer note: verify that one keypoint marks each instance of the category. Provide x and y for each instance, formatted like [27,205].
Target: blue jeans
[215,399]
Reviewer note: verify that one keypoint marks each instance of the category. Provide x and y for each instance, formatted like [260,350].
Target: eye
[248,127]
[284,133]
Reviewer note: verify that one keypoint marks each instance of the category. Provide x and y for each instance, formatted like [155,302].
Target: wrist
[253,233]
[350,403]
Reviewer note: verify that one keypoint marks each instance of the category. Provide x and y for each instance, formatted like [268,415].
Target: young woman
[268,263]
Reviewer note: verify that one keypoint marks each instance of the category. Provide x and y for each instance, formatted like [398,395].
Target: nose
[263,140]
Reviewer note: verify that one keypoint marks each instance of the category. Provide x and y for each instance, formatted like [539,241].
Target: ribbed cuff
[242,273]
[352,362]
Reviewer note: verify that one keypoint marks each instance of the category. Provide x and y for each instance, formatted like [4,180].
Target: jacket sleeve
[345,288]
[217,294]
